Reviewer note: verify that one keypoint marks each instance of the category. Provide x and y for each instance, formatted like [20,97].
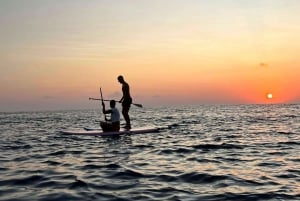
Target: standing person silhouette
[126,101]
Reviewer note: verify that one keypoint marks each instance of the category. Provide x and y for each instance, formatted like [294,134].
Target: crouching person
[114,123]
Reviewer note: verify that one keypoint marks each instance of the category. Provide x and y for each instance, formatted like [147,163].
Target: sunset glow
[56,54]
[269,96]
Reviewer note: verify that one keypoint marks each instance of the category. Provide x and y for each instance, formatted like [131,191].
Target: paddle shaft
[101,99]
[102,103]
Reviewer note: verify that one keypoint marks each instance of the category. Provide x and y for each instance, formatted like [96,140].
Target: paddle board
[94,131]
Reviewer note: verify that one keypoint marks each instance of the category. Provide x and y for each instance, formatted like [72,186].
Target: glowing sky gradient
[55,54]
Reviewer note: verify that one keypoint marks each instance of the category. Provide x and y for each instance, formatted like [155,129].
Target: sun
[269,95]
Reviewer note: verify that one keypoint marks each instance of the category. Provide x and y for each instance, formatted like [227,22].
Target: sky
[55,54]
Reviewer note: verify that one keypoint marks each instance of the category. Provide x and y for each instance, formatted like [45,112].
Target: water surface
[243,152]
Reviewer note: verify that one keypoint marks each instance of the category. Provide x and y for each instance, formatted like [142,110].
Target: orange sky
[56,54]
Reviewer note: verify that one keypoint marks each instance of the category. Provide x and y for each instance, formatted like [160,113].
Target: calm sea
[242,152]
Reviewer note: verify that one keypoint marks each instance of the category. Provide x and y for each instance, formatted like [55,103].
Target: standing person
[114,123]
[126,101]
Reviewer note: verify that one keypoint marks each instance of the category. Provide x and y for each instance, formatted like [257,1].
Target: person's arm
[104,110]
[107,111]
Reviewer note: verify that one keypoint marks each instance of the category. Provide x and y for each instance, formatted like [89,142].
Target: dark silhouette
[126,101]
[114,123]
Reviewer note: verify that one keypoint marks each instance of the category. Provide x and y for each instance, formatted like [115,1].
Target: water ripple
[244,152]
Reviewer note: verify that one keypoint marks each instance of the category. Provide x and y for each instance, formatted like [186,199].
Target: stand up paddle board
[93,131]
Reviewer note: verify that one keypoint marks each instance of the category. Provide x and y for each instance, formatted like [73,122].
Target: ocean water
[237,152]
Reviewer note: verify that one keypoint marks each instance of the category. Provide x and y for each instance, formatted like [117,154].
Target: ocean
[216,152]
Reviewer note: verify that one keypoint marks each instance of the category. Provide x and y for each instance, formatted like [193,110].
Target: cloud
[262,64]
[156,96]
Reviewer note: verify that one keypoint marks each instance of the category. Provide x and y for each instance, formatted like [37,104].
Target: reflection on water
[245,152]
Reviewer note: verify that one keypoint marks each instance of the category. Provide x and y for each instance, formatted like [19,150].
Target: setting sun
[269,96]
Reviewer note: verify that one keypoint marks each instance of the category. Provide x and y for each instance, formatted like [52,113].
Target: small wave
[46,184]
[17,147]
[78,184]
[112,166]
[62,152]
[218,146]
[60,196]
[174,125]
[57,153]
[194,178]
[288,143]
[27,180]
[200,178]
[96,166]
[287,176]
[294,171]
[75,152]
[285,132]
[270,164]
[203,160]
[21,158]
[228,129]
[247,182]
[92,166]
[177,151]
[127,174]
[167,178]
[53,163]
[3,169]
[249,196]
[142,146]
[168,117]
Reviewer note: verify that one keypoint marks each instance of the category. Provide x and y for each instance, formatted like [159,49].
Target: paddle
[101,99]
[103,103]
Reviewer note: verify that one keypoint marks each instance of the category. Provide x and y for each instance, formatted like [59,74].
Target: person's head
[121,79]
[112,103]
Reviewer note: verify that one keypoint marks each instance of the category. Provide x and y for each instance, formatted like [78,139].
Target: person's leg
[104,126]
[125,112]
[116,126]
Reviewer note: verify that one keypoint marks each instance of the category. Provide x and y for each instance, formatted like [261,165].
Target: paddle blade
[138,105]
